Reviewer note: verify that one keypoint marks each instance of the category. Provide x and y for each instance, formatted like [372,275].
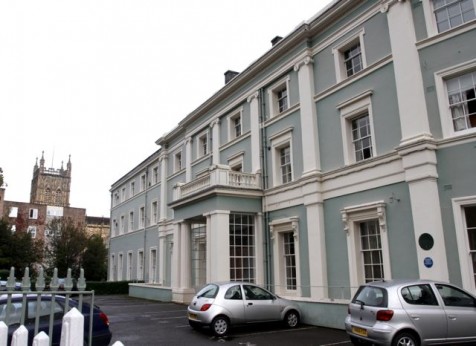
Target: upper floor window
[142,182]
[132,188]
[33,213]
[202,145]
[279,97]
[131,221]
[155,175]
[32,231]
[178,161]
[285,164]
[349,56]
[361,137]
[452,13]
[281,156]
[353,59]
[122,224]
[357,128]
[154,212]
[141,217]
[234,125]
[13,212]
[456,90]
[123,194]
[462,100]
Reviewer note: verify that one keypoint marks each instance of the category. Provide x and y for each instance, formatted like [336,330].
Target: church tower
[51,186]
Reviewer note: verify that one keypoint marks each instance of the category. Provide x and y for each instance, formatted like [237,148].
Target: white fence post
[20,337]
[3,334]
[72,332]
[41,339]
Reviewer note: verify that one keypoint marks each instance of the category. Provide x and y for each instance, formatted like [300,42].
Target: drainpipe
[145,218]
[264,169]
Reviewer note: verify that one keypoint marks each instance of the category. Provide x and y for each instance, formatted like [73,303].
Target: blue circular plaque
[428,261]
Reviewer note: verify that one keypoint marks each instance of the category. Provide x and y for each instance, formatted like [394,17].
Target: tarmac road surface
[140,322]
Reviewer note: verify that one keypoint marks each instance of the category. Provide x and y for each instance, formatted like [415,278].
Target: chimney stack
[275,40]
[229,75]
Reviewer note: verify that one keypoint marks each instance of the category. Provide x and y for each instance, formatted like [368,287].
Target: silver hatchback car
[411,313]
[221,305]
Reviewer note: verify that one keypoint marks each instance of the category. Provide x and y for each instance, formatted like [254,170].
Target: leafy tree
[94,259]
[19,249]
[1,177]
[66,246]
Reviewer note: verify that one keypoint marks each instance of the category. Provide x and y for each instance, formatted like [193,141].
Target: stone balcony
[218,176]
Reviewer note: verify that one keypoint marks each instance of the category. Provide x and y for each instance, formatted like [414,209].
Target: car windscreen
[371,296]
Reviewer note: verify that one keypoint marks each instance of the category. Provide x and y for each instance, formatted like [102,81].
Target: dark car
[101,335]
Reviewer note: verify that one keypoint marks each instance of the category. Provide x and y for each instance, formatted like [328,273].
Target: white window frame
[33,231]
[120,266]
[143,182]
[154,212]
[279,141]
[273,96]
[122,224]
[153,264]
[129,262]
[338,52]
[352,216]
[13,212]
[130,227]
[202,143]
[430,18]
[277,230]
[132,189]
[231,124]
[142,217]
[465,258]
[33,214]
[350,110]
[140,264]
[236,162]
[155,175]
[442,94]
[178,161]
[112,267]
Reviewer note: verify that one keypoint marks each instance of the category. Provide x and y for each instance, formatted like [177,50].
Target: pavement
[141,322]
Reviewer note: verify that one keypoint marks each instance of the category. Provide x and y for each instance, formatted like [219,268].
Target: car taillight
[104,318]
[205,307]
[384,315]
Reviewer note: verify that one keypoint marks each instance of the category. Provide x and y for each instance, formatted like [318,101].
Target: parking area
[136,321]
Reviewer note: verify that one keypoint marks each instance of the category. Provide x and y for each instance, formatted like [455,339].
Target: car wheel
[405,339]
[194,325]
[220,325]
[291,319]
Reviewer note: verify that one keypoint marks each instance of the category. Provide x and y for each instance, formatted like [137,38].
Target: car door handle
[250,303]
[415,317]
[452,317]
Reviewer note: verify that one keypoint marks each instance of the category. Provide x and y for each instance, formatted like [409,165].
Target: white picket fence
[72,333]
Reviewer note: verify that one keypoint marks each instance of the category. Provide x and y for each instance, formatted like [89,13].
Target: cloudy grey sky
[102,80]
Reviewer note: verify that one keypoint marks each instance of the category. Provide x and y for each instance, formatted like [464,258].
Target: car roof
[401,282]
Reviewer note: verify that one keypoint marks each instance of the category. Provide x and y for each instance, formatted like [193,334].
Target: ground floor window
[470,218]
[371,250]
[290,260]
[242,247]
[199,254]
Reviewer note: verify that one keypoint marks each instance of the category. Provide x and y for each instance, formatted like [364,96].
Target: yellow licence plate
[192,316]
[359,331]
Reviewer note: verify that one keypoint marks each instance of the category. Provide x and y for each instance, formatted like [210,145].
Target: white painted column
[185,257]
[162,261]
[419,162]
[163,159]
[188,159]
[259,250]
[253,100]
[176,264]
[408,77]
[310,139]
[215,125]
[219,245]
[317,249]
[209,245]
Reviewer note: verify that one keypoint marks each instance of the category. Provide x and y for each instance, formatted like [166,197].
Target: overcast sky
[102,80]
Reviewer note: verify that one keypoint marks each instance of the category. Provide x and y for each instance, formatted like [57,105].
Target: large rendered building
[344,154]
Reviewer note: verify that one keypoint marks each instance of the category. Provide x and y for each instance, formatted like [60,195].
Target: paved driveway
[143,322]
